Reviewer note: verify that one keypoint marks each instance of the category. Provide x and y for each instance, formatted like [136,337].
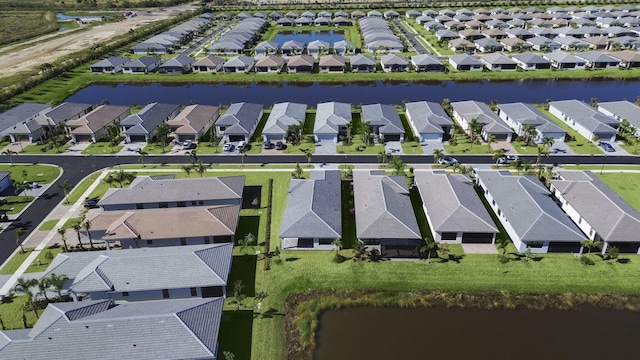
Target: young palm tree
[43,286]
[62,232]
[77,226]
[162,134]
[24,286]
[338,244]
[475,128]
[56,281]
[503,243]
[87,227]
[437,154]
[9,153]
[19,232]
[590,244]
[529,132]
[548,141]
[497,155]
[201,168]
[66,189]
[427,248]
[187,169]
[542,151]
[141,155]
[492,139]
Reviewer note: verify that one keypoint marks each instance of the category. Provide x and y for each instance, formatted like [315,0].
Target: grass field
[48,225]
[43,174]
[627,185]
[15,261]
[102,148]
[17,26]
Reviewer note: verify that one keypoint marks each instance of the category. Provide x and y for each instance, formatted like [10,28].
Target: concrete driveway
[430,145]
[325,148]
[393,147]
[130,149]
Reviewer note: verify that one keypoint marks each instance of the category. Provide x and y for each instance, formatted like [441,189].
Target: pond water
[528,91]
[307,36]
[440,333]
[60,16]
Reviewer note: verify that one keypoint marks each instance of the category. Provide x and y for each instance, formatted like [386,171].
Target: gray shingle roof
[530,58]
[425,59]
[452,203]
[147,119]
[383,115]
[164,268]
[167,329]
[383,208]
[147,190]
[240,118]
[63,112]
[20,113]
[608,214]
[481,111]
[427,117]
[529,208]
[623,110]
[465,59]
[314,207]
[110,61]
[585,115]
[284,115]
[330,116]
[527,114]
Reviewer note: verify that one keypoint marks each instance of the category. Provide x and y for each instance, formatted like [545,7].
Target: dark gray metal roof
[383,115]
[314,207]
[147,119]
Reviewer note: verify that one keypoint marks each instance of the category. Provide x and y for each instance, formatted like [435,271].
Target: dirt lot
[48,48]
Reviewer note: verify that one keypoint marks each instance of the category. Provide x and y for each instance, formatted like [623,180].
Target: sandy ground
[48,48]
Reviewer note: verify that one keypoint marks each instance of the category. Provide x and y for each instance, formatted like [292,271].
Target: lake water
[528,91]
[307,36]
[440,333]
[61,17]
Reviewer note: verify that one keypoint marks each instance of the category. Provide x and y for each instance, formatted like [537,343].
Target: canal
[528,91]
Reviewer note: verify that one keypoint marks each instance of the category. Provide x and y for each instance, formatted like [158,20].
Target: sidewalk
[67,213]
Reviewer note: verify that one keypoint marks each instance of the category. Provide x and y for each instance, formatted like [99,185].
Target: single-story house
[239,64]
[488,45]
[570,43]
[428,120]
[465,62]
[193,122]
[229,46]
[142,125]
[446,35]
[110,65]
[209,63]
[332,63]
[313,214]
[465,112]
[564,61]
[598,60]
[384,216]
[281,117]
[292,47]
[394,63]
[331,121]
[426,62]
[116,275]
[496,34]
[586,120]
[531,61]
[541,43]
[362,63]
[92,126]
[461,45]
[148,192]
[19,115]
[141,65]
[628,59]
[384,121]
[166,329]
[239,122]
[498,62]
[318,47]
[516,115]
[266,48]
[515,44]
[529,215]
[301,64]
[453,209]
[598,210]
[622,110]
[269,64]
[180,64]
[341,21]
[344,47]
[321,21]
[155,46]
[285,21]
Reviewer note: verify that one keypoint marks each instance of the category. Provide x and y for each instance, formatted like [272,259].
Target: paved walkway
[479,249]
[71,211]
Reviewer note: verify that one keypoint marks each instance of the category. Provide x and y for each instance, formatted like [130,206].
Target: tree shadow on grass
[452,257]
[291,259]
[236,331]
[247,225]
[268,314]
[243,269]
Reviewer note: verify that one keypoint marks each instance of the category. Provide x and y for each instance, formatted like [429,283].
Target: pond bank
[304,310]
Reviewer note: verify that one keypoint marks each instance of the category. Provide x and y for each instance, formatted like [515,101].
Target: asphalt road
[75,168]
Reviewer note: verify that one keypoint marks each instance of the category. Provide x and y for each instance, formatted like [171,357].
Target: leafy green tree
[475,129]
[86,225]
[238,288]
[66,189]
[215,140]
[529,132]
[398,165]
[338,244]
[590,244]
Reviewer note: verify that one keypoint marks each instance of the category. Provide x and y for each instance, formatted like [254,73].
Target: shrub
[585,260]
[503,259]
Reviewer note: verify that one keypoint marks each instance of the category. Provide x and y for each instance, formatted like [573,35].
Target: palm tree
[87,227]
[24,286]
[66,189]
[590,244]
[43,286]
[529,131]
[542,151]
[21,187]
[9,153]
[77,226]
[475,128]
[201,168]
[19,232]
[187,169]
[498,154]
[338,244]
[162,134]
[492,139]
[548,141]
[243,154]
[57,281]
[437,155]
[526,167]
[427,248]
[62,232]
[309,155]
[192,157]
[215,140]
[141,154]
[503,243]
[593,102]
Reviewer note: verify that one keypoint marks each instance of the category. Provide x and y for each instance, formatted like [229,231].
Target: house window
[222,128]
[139,206]
[163,205]
[125,293]
[449,236]
[326,241]
[149,242]
[207,239]
[200,202]
[165,293]
[183,241]
[493,202]
[182,204]
[499,212]
[194,292]
[535,244]
[193,202]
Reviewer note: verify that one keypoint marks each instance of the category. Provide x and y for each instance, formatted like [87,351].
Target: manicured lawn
[598,167]
[627,185]
[43,174]
[100,190]
[631,149]
[77,191]
[358,147]
[580,145]
[156,148]
[43,149]
[101,148]
[41,263]
[71,222]
[15,204]
[463,146]
[15,261]
[48,225]
[11,313]
[306,145]
[411,147]
[522,148]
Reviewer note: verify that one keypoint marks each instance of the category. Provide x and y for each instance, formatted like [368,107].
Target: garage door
[430,137]
[236,138]
[501,137]
[392,137]
[564,247]
[83,138]
[626,247]
[477,238]
[137,138]
[326,138]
